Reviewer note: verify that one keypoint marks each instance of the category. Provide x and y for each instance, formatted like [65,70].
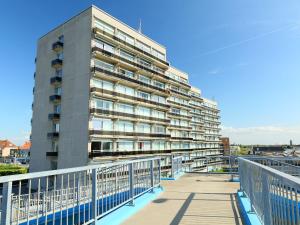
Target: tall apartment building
[102,89]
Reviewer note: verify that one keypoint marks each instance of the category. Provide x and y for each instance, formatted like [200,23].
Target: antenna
[140,26]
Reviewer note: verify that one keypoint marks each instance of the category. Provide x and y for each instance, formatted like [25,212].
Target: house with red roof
[6,147]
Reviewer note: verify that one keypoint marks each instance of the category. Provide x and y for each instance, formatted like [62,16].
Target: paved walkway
[193,199]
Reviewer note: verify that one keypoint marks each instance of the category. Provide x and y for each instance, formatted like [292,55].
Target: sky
[244,54]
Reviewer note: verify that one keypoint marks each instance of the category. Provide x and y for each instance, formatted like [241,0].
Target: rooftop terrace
[192,199]
[267,193]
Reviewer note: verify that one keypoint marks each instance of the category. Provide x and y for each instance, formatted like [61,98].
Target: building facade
[103,90]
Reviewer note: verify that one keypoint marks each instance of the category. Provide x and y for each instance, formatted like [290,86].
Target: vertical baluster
[28,206]
[6,203]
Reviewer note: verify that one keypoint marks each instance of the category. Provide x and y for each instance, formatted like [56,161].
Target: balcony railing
[54,116]
[57,63]
[55,98]
[55,80]
[273,194]
[57,46]
[52,154]
[53,135]
[80,195]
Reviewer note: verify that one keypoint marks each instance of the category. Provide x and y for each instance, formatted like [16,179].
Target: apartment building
[103,90]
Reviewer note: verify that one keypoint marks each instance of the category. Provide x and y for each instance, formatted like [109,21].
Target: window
[126,73]
[143,95]
[144,145]
[126,55]
[58,72]
[125,108]
[56,127]
[157,69]
[125,37]
[175,110]
[124,126]
[103,45]
[158,54]
[104,26]
[158,114]
[61,38]
[103,104]
[184,112]
[144,79]
[143,46]
[143,128]
[57,90]
[105,145]
[54,146]
[103,84]
[143,111]
[158,98]
[102,124]
[57,108]
[159,129]
[158,84]
[186,145]
[175,145]
[144,63]
[125,145]
[60,55]
[158,145]
[175,122]
[125,90]
[104,65]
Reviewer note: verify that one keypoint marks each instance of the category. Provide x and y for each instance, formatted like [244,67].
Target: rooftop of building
[7,144]
[97,8]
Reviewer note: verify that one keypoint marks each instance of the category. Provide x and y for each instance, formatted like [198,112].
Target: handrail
[273,194]
[32,175]
[81,195]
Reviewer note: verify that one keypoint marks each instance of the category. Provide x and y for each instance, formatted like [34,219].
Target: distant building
[268,150]
[225,145]
[23,150]
[6,147]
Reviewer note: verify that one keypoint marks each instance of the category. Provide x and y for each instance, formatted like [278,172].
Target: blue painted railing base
[121,214]
[249,218]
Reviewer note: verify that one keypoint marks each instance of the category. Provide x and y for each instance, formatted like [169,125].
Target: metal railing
[279,163]
[273,194]
[176,166]
[77,195]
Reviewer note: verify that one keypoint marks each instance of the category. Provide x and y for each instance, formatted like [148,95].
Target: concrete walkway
[193,199]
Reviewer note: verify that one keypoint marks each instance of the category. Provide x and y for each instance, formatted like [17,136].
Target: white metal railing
[77,195]
[176,166]
[273,195]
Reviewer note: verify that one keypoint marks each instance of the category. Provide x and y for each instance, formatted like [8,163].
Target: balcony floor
[192,199]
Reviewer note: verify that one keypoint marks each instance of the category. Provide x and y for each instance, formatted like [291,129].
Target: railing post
[94,195]
[266,199]
[131,183]
[6,203]
[250,183]
[159,170]
[172,167]
[152,175]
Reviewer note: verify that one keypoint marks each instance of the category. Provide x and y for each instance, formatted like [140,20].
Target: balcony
[53,135]
[55,98]
[57,63]
[57,46]
[55,80]
[51,154]
[54,116]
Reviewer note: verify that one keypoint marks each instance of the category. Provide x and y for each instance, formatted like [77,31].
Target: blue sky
[244,54]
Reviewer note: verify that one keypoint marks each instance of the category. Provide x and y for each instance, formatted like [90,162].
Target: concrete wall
[73,140]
